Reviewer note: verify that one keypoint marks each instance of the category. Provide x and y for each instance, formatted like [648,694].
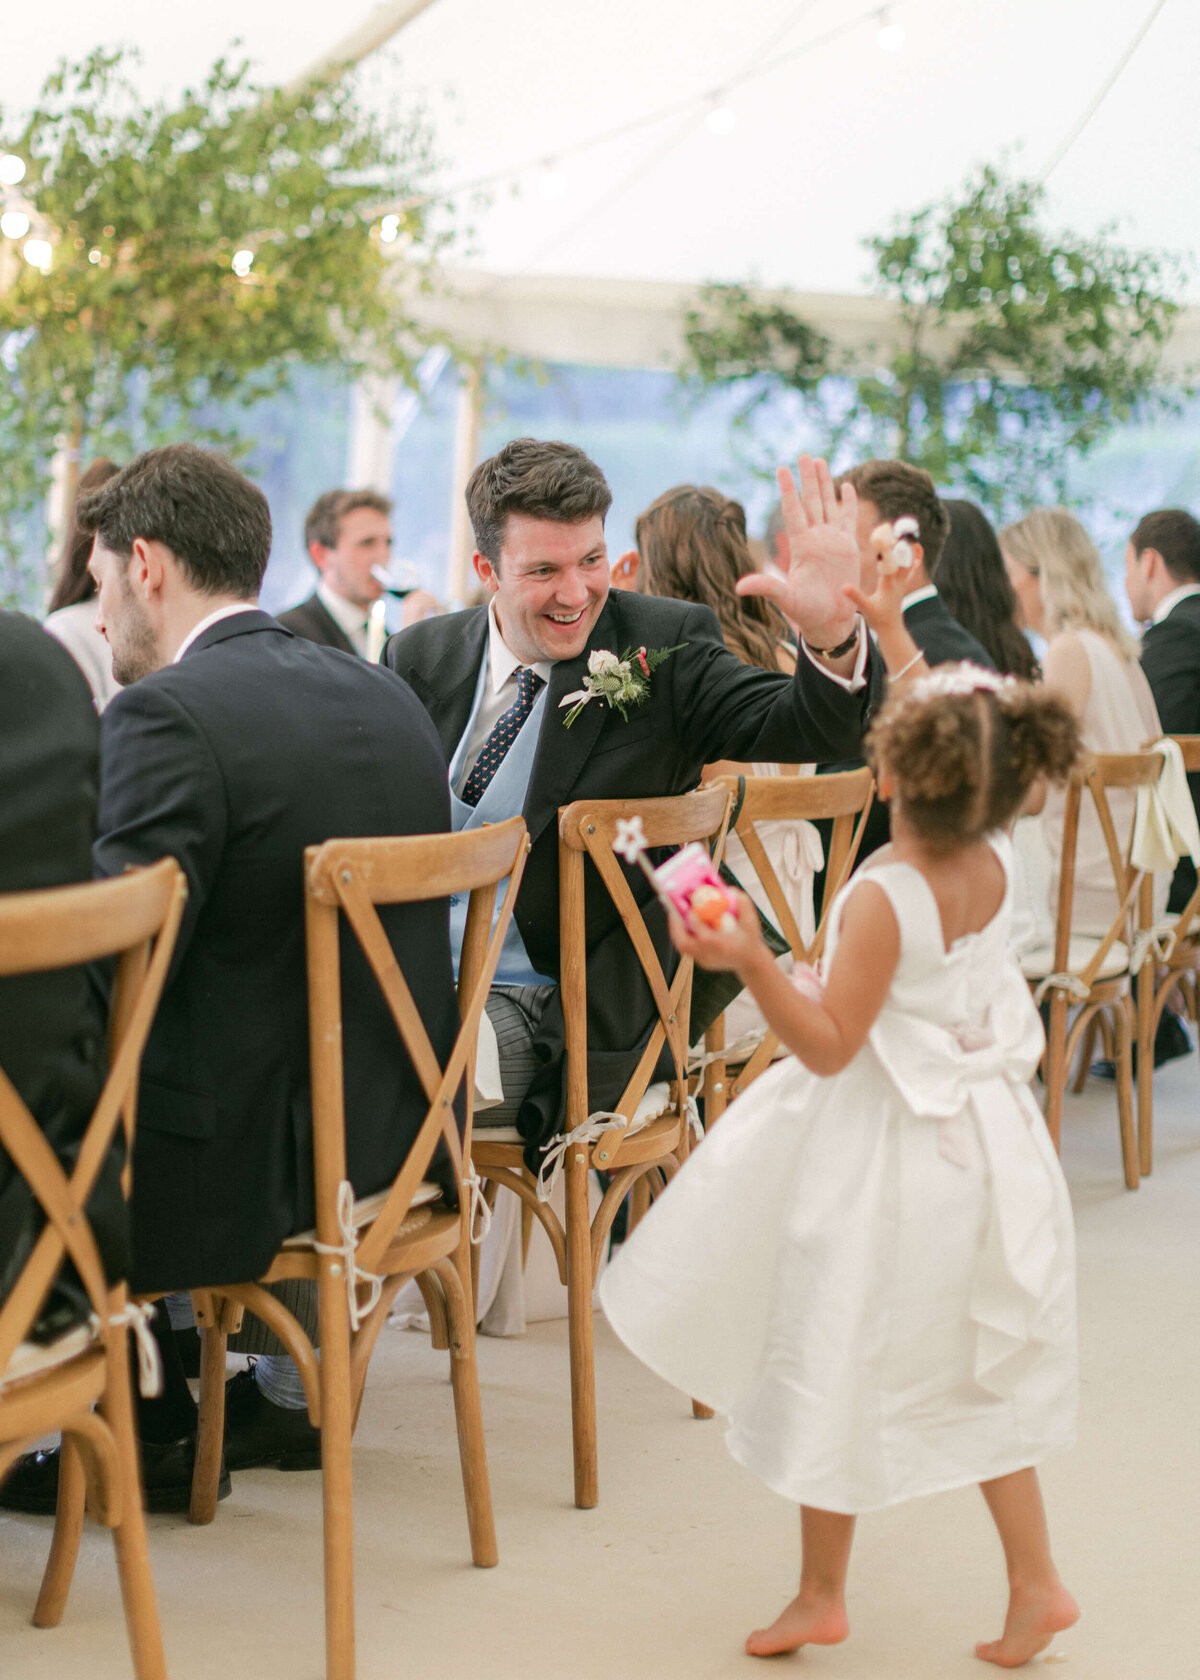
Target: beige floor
[685,1551]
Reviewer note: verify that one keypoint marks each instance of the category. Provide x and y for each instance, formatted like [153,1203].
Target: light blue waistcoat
[504,797]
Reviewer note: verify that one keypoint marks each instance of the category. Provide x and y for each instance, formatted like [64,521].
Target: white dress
[873,1275]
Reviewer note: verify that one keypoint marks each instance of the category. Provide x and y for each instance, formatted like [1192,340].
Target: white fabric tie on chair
[1164,825]
[1062,983]
[1146,944]
[587,1132]
[136,1315]
[348,1249]
[479,1206]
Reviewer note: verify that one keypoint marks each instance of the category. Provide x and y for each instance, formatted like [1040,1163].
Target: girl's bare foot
[1034,1617]
[807,1620]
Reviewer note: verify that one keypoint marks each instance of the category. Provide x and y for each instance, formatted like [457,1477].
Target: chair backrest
[587,829]
[844,798]
[1094,778]
[351,877]
[134,918]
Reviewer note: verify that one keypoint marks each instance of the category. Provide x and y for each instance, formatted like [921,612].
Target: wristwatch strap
[841,648]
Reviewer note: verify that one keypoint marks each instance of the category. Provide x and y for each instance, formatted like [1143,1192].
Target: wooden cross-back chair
[844,798]
[1095,972]
[134,918]
[608,1143]
[360,1254]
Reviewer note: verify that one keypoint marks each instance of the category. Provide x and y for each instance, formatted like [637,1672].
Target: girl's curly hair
[962,764]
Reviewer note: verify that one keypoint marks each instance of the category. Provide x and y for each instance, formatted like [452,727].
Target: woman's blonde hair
[1053,545]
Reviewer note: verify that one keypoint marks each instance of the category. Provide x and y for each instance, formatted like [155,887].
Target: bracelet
[840,649]
[905,669]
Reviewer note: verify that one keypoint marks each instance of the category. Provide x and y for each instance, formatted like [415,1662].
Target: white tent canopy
[832,135]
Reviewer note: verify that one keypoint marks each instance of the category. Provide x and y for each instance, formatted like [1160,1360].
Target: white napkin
[1164,825]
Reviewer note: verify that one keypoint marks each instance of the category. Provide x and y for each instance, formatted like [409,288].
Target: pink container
[689,883]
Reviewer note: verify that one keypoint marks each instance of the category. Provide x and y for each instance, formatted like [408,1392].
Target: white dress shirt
[350,619]
[857,678]
[925,593]
[213,618]
[499,693]
[1171,601]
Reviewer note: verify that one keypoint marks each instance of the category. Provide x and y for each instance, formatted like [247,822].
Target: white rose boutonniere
[621,682]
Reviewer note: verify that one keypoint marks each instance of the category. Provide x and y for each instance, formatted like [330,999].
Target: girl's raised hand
[738,948]
[883,608]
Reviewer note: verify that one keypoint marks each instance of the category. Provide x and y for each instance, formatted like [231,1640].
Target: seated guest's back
[51,1027]
[1091,660]
[977,591]
[1162,580]
[235,745]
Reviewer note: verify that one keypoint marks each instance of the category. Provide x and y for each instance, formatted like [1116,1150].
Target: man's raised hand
[823,546]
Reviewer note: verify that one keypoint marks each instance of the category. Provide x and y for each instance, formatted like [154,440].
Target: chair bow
[136,1316]
[587,1132]
[1062,983]
[348,1249]
[480,1207]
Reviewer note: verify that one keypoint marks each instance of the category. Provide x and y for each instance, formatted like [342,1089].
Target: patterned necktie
[504,732]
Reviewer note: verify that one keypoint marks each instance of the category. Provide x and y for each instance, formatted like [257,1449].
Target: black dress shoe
[1171,1041]
[32,1483]
[259,1432]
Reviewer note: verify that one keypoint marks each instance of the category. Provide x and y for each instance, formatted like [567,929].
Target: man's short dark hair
[194,501]
[1175,534]
[542,480]
[323,522]
[897,489]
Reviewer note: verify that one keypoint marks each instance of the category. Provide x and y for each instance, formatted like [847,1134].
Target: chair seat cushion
[656,1101]
[31,1359]
[366,1208]
[1036,964]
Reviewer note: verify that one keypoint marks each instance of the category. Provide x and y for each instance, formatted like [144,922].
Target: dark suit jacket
[51,1025]
[313,620]
[704,704]
[943,641]
[1171,661]
[255,745]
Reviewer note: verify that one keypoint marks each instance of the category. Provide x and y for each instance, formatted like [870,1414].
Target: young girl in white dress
[868,1265]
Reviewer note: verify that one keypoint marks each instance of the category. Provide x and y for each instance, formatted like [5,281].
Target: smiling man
[495,679]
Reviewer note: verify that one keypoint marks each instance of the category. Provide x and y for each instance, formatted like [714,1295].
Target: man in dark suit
[495,680]
[234,746]
[1162,580]
[348,534]
[51,1025]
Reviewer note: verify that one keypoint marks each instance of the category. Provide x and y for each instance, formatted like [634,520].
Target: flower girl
[868,1265]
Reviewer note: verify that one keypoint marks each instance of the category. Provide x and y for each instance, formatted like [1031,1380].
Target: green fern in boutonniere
[620,682]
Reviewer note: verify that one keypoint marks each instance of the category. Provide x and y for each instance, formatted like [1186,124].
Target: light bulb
[722,119]
[14,224]
[890,36]
[37,253]
[95,255]
[12,169]
[552,183]
[242,263]
[389,229]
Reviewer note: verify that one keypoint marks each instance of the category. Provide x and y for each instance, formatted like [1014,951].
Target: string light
[95,255]
[722,119]
[242,263]
[12,169]
[389,229]
[14,224]
[37,253]
[890,36]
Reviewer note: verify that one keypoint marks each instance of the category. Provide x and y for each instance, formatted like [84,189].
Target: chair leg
[1148,1018]
[1054,1067]
[129,1535]
[64,1548]
[210,1432]
[579,1314]
[1129,1153]
[468,1413]
[639,1201]
[336,1478]
[1087,1054]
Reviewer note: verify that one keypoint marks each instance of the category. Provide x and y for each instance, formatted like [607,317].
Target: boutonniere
[621,682]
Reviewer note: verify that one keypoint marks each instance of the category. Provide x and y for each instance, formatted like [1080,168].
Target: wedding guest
[832,1267]
[72,612]
[974,584]
[496,680]
[234,746]
[691,546]
[51,1026]
[348,535]
[1162,580]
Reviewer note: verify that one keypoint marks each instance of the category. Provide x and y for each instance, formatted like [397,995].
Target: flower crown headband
[962,678]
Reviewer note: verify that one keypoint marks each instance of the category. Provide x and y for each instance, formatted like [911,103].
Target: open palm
[823,546]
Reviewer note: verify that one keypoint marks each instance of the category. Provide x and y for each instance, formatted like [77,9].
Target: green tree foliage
[141,320]
[1017,349]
